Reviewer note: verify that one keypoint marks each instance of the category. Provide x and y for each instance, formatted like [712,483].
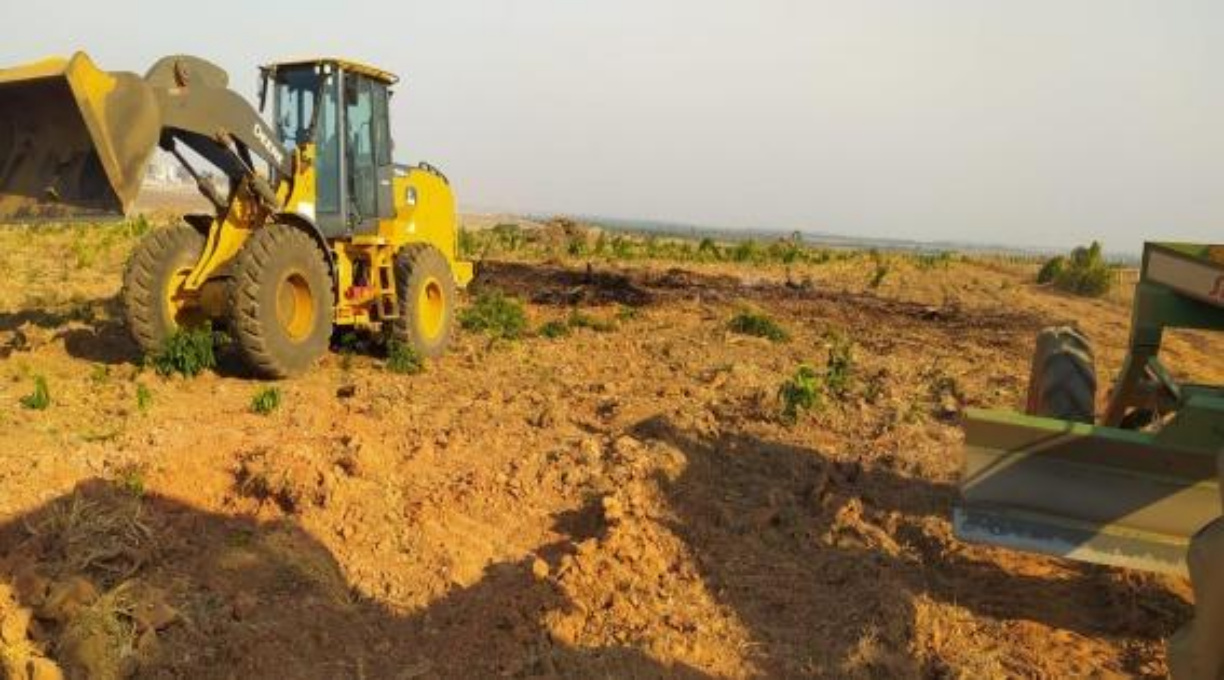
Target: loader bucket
[1091,493]
[74,140]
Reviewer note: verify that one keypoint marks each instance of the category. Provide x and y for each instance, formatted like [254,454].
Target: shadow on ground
[91,330]
[822,561]
[262,600]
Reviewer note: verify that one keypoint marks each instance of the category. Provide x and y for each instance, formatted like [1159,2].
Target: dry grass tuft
[100,641]
[106,536]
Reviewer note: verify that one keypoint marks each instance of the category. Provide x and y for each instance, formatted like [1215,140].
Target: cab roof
[346,64]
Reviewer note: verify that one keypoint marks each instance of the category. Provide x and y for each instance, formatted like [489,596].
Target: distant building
[165,169]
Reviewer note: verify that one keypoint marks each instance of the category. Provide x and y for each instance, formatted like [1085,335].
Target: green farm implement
[1138,488]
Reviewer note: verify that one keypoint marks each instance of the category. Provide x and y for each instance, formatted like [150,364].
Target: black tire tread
[1063,383]
[142,287]
[249,331]
[409,260]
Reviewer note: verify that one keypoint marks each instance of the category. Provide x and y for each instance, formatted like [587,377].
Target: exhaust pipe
[75,141]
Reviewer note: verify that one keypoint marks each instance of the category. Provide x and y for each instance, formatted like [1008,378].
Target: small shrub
[622,248]
[40,398]
[652,247]
[349,342]
[786,251]
[627,313]
[839,368]
[188,352]
[578,319]
[509,236]
[100,375]
[403,359]
[144,398]
[495,314]
[1051,270]
[137,226]
[467,243]
[131,480]
[880,273]
[266,401]
[708,249]
[576,245]
[554,329]
[802,392]
[1085,272]
[758,325]
[929,261]
[85,253]
[746,251]
[601,244]
[821,256]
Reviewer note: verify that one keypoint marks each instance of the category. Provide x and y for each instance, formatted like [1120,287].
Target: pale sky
[1036,122]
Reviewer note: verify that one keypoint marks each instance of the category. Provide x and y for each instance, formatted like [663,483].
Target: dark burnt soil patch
[550,284]
[559,285]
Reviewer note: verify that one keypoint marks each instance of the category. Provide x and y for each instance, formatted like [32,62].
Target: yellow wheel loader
[314,226]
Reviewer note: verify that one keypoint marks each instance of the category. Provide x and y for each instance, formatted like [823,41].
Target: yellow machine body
[75,141]
[431,220]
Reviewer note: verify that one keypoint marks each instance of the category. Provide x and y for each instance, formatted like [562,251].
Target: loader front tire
[1063,382]
[426,292]
[280,301]
[155,271]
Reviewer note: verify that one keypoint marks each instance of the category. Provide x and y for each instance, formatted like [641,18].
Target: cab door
[367,152]
[330,213]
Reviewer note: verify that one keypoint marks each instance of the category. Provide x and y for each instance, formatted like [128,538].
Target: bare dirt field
[622,501]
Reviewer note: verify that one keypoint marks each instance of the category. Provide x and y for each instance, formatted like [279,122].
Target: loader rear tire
[425,288]
[280,302]
[1063,382]
[155,270]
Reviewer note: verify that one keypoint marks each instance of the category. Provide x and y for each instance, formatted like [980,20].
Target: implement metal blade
[74,140]
[1090,493]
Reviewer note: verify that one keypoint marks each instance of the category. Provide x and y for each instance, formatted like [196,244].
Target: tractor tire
[427,297]
[1063,381]
[154,271]
[280,302]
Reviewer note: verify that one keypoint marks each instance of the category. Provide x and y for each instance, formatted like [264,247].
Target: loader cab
[340,109]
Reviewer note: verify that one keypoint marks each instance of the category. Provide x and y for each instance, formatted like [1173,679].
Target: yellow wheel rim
[179,305]
[431,308]
[295,306]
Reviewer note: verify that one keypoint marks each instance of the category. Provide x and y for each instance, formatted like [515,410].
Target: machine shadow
[259,599]
[91,330]
[826,558]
